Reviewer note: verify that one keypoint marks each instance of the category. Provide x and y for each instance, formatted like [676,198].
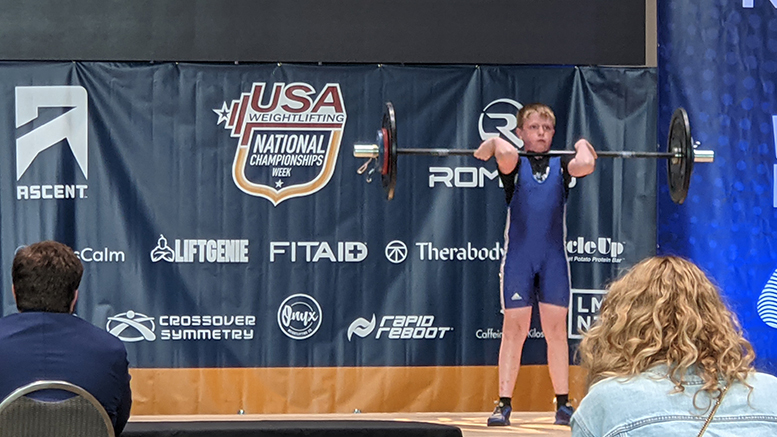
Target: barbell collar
[366,151]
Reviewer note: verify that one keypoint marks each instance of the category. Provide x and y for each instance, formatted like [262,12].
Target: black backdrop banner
[221,221]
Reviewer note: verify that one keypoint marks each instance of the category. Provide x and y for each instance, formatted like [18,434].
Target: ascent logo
[70,126]
[211,251]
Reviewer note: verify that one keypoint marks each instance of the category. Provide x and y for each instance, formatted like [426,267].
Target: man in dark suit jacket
[45,341]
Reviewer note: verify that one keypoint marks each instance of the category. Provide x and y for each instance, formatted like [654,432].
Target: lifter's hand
[486,150]
[584,161]
[583,143]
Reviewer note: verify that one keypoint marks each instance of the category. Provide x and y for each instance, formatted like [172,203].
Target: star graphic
[279,184]
[223,113]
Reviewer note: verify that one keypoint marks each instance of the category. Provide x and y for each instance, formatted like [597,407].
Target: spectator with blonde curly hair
[667,357]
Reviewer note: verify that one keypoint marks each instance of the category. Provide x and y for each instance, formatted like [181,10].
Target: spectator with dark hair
[667,357]
[45,341]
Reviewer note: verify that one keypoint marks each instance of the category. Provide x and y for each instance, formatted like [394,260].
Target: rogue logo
[70,126]
[288,138]
[499,117]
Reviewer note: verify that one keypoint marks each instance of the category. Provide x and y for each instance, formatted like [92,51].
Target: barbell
[681,153]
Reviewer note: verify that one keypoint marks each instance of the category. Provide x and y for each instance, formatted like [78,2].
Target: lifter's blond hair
[665,310]
[543,110]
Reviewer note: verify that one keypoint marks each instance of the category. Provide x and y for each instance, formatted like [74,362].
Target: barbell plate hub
[365,151]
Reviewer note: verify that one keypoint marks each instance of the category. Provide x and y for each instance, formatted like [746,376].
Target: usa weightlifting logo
[288,138]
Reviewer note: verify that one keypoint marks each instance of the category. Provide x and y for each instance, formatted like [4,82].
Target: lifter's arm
[505,153]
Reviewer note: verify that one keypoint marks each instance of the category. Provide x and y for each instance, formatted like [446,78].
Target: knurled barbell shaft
[368,151]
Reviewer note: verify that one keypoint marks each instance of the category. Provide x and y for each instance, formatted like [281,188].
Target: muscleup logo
[288,146]
[603,246]
[70,126]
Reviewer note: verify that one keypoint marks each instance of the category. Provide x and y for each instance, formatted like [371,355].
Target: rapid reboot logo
[288,138]
[45,117]
[210,251]
[399,327]
[299,316]
[133,327]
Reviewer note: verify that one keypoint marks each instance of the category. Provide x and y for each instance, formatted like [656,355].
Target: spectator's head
[46,277]
[666,311]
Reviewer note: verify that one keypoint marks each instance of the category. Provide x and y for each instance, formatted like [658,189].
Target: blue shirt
[646,405]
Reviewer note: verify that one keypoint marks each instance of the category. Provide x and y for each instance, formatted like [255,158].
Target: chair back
[81,415]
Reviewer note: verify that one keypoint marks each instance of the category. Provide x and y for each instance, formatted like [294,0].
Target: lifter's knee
[517,322]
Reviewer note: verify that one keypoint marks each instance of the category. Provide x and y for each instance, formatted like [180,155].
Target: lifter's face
[537,133]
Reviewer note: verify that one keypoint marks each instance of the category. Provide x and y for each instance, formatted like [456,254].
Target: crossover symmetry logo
[37,130]
[196,250]
[299,316]
[399,327]
[500,118]
[767,302]
[133,326]
[288,140]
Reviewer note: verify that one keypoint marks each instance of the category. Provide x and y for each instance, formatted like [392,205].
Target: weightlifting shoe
[563,415]
[500,416]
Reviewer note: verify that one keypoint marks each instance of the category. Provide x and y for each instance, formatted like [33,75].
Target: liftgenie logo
[288,141]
